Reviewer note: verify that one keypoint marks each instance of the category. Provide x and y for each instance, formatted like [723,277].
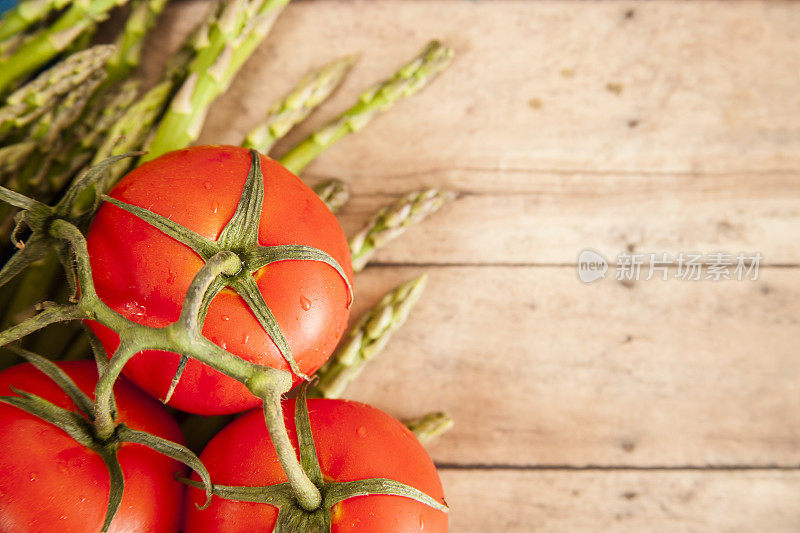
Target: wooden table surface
[649,127]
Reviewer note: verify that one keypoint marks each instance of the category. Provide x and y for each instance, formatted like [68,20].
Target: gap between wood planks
[593,172]
[431,264]
[605,468]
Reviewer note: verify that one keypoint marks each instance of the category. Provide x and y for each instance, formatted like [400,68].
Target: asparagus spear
[367,338]
[429,426]
[10,45]
[177,67]
[405,82]
[298,104]
[231,37]
[28,174]
[25,13]
[14,155]
[333,192]
[49,129]
[128,53]
[105,113]
[392,221]
[35,98]
[130,131]
[54,168]
[66,113]
[36,52]
[133,128]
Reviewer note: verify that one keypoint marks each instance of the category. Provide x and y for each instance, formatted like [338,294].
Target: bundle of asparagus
[88,106]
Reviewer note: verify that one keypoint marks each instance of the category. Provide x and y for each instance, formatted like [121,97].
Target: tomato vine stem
[307,494]
[185,336]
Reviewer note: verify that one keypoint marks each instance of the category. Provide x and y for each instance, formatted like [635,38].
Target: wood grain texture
[623,502]
[540,369]
[558,217]
[694,78]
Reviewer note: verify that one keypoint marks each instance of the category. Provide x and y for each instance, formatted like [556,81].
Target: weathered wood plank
[559,217]
[580,188]
[613,87]
[616,501]
[540,369]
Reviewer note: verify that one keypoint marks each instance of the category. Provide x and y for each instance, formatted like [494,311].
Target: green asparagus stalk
[10,45]
[131,130]
[104,114]
[30,291]
[333,192]
[82,42]
[405,82]
[66,113]
[37,97]
[367,338]
[14,155]
[46,133]
[238,28]
[36,52]
[25,13]
[177,67]
[56,167]
[312,90]
[33,176]
[128,53]
[135,127]
[49,131]
[391,221]
[54,162]
[430,426]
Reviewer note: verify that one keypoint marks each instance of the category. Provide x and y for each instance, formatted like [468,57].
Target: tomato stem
[185,335]
[307,494]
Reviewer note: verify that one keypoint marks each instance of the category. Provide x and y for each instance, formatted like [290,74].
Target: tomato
[51,483]
[143,274]
[354,441]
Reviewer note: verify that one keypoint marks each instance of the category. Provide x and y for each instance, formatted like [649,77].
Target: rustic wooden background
[656,127]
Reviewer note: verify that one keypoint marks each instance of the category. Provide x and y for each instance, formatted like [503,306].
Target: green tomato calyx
[240,236]
[293,513]
[80,426]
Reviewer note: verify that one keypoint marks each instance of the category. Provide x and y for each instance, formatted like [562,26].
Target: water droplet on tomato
[421,523]
[361,431]
[214,208]
[134,309]
[33,476]
[207,185]
[62,517]
[245,338]
[224,318]
[305,303]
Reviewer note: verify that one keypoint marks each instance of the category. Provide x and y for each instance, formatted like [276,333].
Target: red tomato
[143,274]
[354,441]
[51,483]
